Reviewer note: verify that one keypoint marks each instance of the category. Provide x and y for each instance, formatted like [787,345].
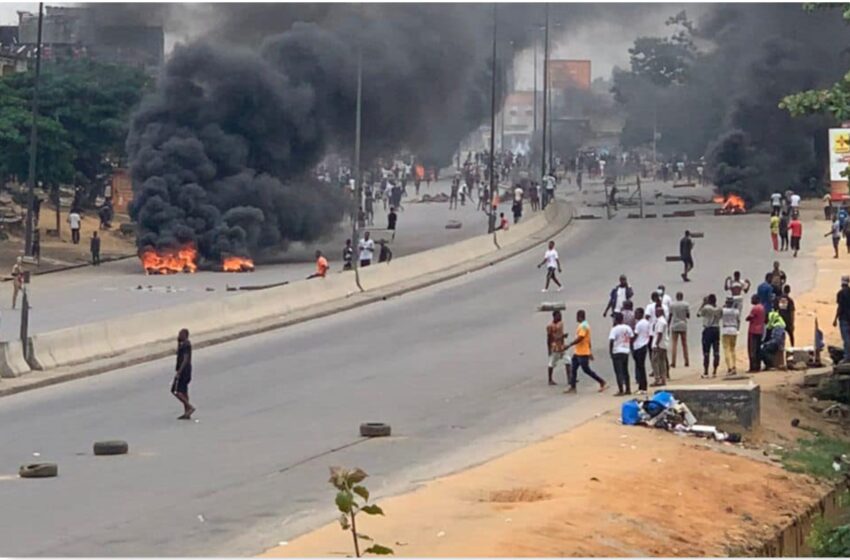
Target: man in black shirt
[842,316]
[183,374]
[686,246]
[392,218]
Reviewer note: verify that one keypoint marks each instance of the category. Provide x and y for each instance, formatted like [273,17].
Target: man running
[555,343]
[183,374]
[552,262]
[583,355]
[686,247]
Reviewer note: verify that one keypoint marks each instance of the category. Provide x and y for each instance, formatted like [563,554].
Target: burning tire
[113,447]
[39,470]
[375,429]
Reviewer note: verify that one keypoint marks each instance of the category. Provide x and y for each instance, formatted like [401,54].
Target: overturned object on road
[111,447]
[39,470]
[552,306]
[375,429]
[453,224]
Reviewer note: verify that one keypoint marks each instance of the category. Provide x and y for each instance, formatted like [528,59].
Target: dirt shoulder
[604,489]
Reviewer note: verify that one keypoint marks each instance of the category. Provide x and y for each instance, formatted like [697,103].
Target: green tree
[665,60]
[84,109]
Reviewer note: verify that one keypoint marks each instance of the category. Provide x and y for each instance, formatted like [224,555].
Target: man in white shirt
[776,202]
[660,343]
[367,250]
[552,262]
[75,221]
[795,202]
[640,348]
[518,192]
[666,301]
[619,345]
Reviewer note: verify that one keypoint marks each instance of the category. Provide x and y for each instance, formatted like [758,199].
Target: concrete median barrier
[242,311]
[12,362]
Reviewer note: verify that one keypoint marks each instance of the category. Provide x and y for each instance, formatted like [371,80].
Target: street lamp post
[545,90]
[492,168]
[33,142]
[355,241]
[534,126]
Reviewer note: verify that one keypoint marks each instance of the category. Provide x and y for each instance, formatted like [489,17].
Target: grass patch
[815,457]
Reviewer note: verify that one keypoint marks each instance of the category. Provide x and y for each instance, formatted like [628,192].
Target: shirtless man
[737,288]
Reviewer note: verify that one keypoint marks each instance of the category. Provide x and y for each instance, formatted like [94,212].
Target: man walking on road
[643,334]
[94,246]
[835,232]
[552,262]
[686,247]
[842,315]
[659,347]
[796,228]
[680,312]
[17,280]
[183,374]
[75,220]
[710,334]
[783,231]
[774,230]
[555,344]
[619,345]
[582,355]
[347,255]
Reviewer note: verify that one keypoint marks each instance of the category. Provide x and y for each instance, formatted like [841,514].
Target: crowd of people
[657,330]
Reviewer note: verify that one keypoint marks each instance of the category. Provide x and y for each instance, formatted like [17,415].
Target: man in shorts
[553,263]
[183,374]
[555,343]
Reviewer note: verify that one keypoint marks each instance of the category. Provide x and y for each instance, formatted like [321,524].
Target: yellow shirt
[774,224]
[583,347]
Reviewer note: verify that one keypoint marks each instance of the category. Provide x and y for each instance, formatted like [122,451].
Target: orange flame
[420,172]
[172,261]
[237,264]
[732,204]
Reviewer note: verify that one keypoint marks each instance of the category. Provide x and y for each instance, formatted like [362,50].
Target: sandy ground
[604,489]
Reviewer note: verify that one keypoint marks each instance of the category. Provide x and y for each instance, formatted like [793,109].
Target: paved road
[457,368]
[89,294]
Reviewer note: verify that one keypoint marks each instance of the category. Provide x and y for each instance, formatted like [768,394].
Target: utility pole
[493,185]
[355,239]
[545,90]
[33,142]
[534,126]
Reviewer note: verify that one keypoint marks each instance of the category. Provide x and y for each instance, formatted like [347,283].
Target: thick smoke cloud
[726,109]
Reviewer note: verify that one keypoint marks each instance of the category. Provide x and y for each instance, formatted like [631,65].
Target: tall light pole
[545,90]
[492,168]
[355,240]
[534,126]
[33,141]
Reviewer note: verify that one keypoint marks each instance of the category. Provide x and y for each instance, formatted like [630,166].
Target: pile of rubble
[665,412]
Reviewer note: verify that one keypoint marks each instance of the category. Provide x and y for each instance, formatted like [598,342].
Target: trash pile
[665,412]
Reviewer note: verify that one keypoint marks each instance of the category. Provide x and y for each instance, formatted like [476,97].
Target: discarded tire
[114,447]
[39,470]
[375,429]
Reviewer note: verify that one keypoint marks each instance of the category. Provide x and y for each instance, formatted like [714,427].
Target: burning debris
[184,259]
[237,264]
[731,204]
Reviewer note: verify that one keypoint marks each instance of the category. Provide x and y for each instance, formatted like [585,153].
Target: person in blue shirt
[765,293]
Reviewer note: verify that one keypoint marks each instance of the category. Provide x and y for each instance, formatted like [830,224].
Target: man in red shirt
[796,229]
[321,266]
[755,333]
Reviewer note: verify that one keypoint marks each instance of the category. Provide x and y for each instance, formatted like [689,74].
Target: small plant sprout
[352,498]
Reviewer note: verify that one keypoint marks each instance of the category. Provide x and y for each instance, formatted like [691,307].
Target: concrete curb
[150,352]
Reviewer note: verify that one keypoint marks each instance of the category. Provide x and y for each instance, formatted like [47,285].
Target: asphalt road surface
[458,369]
[90,294]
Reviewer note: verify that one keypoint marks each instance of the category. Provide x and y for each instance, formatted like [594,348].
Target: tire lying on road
[113,447]
[39,470]
[375,429]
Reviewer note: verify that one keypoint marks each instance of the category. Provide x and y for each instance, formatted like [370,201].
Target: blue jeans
[844,326]
[584,363]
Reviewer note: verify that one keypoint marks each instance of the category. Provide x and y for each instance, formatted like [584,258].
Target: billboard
[569,73]
[839,152]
